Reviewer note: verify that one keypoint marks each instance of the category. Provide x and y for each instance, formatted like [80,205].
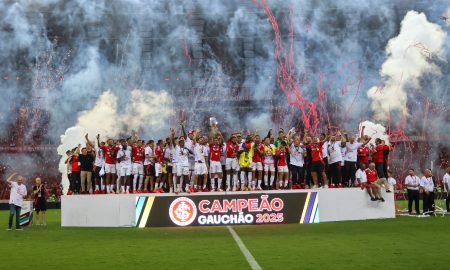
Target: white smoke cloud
[147,111]
[374,131]
[409,57]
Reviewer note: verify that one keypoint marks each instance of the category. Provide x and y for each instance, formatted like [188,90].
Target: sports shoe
[9,229]
[259,188]
[19,229]
[381,199]
[145,191]
[228,189]
[326,186]
[206,190]
[388,191]
[315,186]
[69,192]
[96,192]
[104,191]
[171,190]
[221,190]
[373,199]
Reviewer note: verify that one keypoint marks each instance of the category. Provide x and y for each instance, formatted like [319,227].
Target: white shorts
[110,168]
[283,169]
[269,167]
[182,170]
[138,168]
[257,166]
[125,170]
[215,167]
[158,169]
[232,164]
[200,169]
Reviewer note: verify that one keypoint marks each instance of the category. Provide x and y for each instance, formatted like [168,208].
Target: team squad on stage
[195,163]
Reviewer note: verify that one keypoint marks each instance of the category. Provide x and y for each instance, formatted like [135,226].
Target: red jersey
[378,155]
[363,154]
[160,154]
[138,154]
[75,164]
[215,150]
[256,155]
[232,149]
[281,154]
[110,154]
[372,175]
[316,151]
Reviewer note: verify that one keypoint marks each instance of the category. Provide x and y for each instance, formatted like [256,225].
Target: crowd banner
[236,209]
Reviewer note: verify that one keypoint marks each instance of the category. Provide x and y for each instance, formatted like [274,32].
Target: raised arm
[183,130]
[98,141]
[87,140]
[9,180]
[196,135]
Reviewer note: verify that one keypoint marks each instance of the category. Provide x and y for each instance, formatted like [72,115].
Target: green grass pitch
[401,243]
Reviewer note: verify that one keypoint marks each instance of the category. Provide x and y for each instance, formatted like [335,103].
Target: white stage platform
[223,208]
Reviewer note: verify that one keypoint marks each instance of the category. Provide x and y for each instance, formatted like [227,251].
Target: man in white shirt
[447,189]
[334,148]
[412,185]
[124,158]
[149,166]
[426,184]
[17,194]
[182,165]
[350,158]
[360,175]
[200,168]
[391,181]
[297,153]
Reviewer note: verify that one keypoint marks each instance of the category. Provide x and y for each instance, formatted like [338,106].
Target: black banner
[236,209]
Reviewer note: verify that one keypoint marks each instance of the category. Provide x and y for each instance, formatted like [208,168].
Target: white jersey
[126,154]
[199,153]
[446,181]
[392,181]
[334,152]
[427,183]
[148,151]
[325,150]
[351,151]
[361,176]
[168,155]
[182,156]
[412,180]
[17,193]
[174,154]
[296,155]
[189,144]
[99,157]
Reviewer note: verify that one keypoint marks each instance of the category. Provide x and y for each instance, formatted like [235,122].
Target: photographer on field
[40,202]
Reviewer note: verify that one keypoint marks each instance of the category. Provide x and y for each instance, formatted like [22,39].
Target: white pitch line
[250,259]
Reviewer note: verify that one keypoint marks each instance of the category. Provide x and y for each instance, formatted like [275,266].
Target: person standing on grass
[427,187]
[447,189]
[17,194]
[412,185]
[40,202]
